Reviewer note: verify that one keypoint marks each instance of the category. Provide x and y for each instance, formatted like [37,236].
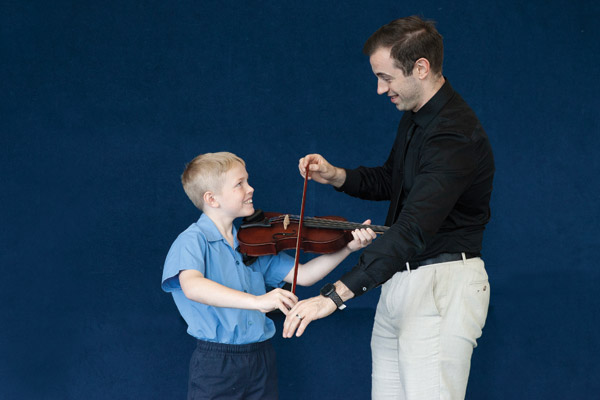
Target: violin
[265,233]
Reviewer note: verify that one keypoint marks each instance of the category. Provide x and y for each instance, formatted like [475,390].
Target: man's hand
[321,171]
[276,298]
[304,313]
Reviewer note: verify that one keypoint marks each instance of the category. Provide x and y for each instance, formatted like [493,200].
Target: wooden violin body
[269,232]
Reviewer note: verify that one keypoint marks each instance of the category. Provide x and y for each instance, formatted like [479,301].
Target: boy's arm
[317,268]
[200,289]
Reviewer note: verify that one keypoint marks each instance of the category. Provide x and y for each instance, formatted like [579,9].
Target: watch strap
[339,303]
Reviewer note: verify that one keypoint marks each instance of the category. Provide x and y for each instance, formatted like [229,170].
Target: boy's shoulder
[198,234]
[188,250]
[203,227]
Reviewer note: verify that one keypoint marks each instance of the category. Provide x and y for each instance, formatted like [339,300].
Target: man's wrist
[329,291]
[329,300]
[343,291]
[339,178]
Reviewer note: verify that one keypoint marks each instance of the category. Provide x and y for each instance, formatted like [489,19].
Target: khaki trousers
[427,323]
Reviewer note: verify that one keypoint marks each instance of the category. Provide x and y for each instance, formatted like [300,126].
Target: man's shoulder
[456,116]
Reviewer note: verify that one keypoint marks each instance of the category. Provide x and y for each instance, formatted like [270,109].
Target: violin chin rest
[257,216]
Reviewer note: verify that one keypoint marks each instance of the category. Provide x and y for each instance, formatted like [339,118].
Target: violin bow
[299,238]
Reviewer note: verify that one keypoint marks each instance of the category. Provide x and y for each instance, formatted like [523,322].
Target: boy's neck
[224,225]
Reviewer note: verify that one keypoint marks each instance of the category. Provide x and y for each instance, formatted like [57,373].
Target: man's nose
[382,87]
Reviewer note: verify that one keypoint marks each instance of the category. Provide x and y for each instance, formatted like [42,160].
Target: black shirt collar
[427,113]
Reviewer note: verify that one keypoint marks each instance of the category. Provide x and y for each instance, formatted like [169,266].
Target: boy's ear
[209,199]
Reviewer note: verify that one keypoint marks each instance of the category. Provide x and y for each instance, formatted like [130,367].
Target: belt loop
[408,267]
[464,257]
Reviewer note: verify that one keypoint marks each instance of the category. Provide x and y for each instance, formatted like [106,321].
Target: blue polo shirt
[203,248]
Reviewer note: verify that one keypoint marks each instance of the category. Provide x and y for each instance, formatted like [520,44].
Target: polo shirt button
[237,262]
[249,322]
[364,289]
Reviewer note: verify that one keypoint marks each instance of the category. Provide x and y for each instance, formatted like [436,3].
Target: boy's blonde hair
[204,173]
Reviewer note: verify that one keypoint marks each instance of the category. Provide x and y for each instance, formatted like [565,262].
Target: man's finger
[303,324]
[314,167]
[290,324]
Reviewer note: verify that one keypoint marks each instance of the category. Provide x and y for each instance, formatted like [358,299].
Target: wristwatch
[329,291]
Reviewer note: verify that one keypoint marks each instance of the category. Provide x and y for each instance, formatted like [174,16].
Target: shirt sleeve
[274,268]
[369,183]
[185,253]
[448,165]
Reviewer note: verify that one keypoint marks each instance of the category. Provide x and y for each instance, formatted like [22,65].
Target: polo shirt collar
[210,230]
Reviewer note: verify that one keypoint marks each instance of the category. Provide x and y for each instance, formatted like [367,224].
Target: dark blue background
[103,103]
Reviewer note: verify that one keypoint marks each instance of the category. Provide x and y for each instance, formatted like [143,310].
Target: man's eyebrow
[383,75]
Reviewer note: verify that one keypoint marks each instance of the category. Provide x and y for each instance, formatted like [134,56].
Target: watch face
[327,289]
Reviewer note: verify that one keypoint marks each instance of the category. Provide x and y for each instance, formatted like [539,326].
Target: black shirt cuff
[358,281]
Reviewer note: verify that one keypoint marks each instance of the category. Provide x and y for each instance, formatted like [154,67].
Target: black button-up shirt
[439,183]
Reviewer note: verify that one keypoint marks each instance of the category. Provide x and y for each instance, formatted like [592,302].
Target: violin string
[315,222]
[330,223]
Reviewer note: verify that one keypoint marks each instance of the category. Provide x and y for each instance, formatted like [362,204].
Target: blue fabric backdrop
[104,102]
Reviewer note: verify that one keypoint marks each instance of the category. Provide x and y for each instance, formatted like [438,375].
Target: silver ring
[298,315]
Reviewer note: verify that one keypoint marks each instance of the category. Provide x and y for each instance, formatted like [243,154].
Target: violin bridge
[286,221]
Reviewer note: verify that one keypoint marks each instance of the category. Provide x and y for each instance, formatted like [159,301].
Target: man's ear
[209,199]
[422,68]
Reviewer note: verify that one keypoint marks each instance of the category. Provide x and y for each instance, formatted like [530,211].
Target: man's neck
[430,88]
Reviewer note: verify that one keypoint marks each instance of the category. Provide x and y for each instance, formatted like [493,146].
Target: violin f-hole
[283,235]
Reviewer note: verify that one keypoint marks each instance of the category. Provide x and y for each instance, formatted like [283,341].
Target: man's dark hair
[409,39]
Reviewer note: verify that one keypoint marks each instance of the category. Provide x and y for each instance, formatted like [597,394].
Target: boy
[222,300]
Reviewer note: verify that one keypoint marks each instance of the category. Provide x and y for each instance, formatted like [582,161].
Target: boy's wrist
[348,248]
[254,301]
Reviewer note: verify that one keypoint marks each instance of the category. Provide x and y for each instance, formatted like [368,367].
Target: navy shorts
[229,371]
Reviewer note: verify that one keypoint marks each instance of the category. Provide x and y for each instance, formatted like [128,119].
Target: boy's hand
[276,299]
[362,237]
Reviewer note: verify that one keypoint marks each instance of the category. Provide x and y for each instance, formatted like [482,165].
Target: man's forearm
[343,291]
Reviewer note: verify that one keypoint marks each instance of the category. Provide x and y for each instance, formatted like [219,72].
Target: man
[438,178]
